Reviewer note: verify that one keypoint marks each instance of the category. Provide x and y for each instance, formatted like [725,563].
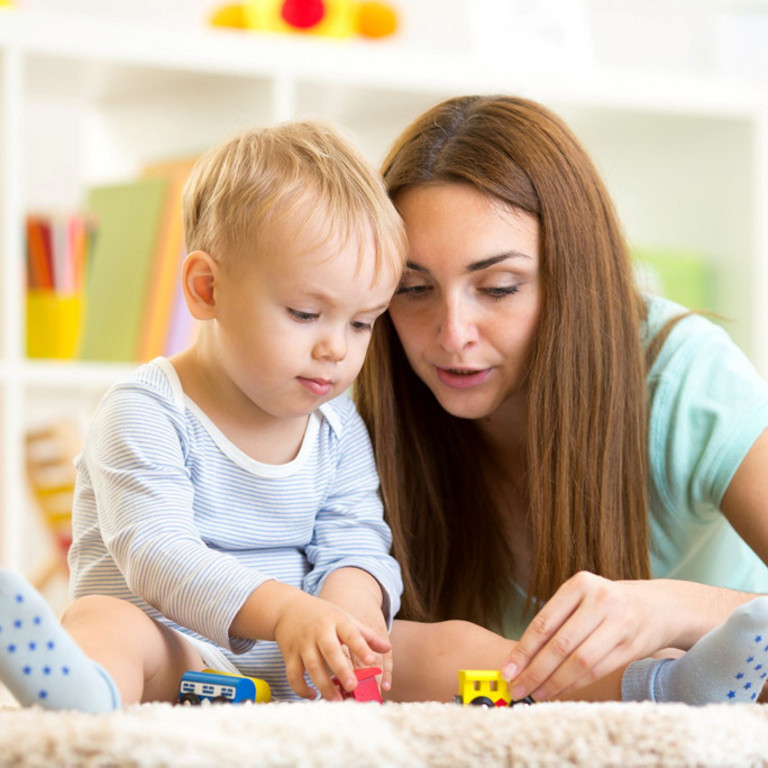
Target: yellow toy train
[486,688]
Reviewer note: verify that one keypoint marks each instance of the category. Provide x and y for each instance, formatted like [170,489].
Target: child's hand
[381,660]
[312,634]
[359,593]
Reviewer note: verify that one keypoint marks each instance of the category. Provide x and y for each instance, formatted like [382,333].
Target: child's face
[294,325]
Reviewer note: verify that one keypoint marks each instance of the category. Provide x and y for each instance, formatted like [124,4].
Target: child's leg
[105,651]
[427,659]
[728,664]
[145,659]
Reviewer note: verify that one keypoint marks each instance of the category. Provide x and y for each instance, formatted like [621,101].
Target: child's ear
[198,278]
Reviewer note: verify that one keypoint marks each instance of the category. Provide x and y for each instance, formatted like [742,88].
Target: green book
[128,219]
[682,276]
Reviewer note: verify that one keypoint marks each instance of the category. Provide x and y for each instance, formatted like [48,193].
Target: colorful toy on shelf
[50,457]
[231,15]
[485,688]
[329,18]
[221,688]
[376,19]
[367,688]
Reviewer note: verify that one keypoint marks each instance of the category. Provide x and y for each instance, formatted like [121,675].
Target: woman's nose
[456,327]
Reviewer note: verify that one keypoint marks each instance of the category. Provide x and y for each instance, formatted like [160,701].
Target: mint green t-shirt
[708,405]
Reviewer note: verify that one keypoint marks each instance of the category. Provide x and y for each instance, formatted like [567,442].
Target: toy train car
[221,688]
[486,688]
[367,688]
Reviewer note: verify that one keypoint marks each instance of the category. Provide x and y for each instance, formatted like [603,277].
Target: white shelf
[685,157]
[63,374]
[61,40]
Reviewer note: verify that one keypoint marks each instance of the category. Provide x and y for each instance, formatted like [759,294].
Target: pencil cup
[53,324]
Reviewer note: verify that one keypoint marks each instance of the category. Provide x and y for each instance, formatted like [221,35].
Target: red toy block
[367,688]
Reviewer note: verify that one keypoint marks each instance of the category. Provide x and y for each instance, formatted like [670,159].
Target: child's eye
[500,291]
[301,316]
[362,327]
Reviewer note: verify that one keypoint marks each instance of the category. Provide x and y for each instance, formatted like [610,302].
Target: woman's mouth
[462,378]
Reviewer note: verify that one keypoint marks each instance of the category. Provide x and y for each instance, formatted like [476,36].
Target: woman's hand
[590,627]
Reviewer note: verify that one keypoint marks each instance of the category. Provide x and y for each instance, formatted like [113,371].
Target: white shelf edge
[383,64]
[63,374]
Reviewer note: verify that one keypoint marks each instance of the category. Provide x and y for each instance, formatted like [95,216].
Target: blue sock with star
[728,664]
[39,662]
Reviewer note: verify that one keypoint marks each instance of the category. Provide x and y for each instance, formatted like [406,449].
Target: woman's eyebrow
[477,266]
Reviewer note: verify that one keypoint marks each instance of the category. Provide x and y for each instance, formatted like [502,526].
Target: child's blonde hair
[293,171]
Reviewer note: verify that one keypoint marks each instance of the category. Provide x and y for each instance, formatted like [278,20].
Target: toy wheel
[526,700]
[220,700]
[482,701]
[189,698]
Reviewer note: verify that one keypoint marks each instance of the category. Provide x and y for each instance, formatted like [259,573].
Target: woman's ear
[199,273]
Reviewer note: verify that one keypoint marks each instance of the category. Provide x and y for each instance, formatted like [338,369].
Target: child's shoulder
[156,380]
[340,414]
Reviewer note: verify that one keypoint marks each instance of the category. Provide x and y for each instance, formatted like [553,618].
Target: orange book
[161,287]
[40,272]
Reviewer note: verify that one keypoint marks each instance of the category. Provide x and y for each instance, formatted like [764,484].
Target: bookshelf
[84,102]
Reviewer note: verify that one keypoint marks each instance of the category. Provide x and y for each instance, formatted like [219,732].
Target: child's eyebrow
[331,301]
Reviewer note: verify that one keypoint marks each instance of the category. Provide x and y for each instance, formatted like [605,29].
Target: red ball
[303,14]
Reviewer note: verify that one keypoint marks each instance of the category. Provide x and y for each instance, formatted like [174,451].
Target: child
[226,511]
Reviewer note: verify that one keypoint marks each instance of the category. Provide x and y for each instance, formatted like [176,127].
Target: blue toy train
[221,688]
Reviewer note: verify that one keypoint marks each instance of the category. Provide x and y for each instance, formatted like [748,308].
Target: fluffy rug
[352,734]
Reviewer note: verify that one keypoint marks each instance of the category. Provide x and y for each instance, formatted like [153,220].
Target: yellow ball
[375,19]
[228,16]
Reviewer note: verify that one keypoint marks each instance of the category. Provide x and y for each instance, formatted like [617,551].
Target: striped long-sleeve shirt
[172,516]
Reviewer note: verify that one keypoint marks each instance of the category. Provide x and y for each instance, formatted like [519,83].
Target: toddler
[226,510]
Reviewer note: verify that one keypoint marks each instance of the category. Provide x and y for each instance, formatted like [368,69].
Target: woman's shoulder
[688,336]
[707,406]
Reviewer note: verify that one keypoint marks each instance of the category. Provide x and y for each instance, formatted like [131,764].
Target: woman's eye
[301,316]
[411,290]
[500,291]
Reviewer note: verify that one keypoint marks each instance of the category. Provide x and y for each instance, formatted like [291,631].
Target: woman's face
[467,306]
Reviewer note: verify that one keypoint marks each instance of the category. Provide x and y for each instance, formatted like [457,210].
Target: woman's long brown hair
[586,443]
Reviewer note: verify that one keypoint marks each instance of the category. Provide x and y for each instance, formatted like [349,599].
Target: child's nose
[332,346]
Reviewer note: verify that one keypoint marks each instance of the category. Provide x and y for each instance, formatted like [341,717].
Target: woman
[562,459]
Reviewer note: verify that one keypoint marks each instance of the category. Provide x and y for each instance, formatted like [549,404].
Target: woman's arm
[593,626]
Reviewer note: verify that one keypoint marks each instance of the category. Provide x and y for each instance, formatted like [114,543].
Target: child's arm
[359,593]
[311,633]
[349,551]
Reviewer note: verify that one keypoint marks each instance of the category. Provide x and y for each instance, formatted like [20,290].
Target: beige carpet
[351,734]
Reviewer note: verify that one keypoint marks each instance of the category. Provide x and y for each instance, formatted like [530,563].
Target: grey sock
[728,664]
[39,662]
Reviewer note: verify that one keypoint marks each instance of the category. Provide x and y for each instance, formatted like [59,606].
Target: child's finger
[294,671]
[386,671]
[373,642]
[338,658]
